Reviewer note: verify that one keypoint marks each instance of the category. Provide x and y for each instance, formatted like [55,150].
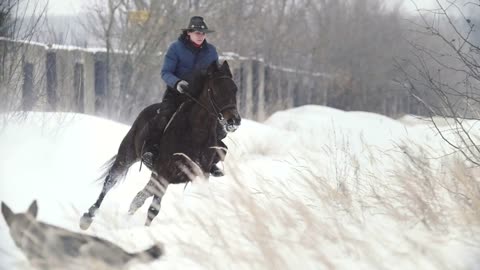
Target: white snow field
[310,188]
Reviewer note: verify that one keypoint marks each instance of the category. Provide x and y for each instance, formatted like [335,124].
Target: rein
[199,103]
[217,112]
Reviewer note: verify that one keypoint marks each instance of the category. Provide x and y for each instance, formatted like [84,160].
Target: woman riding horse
[189,145]
[189,53]
[208,112]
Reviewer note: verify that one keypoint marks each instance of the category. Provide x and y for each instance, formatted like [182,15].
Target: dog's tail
[150,254]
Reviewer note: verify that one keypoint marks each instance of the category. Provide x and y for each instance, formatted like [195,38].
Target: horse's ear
[7,213]
[212,68]
[226,69]
[33,209]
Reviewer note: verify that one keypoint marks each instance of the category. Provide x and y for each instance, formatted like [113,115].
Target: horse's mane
[199,77]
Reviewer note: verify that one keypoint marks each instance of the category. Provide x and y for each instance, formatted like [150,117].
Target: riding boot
[152,141]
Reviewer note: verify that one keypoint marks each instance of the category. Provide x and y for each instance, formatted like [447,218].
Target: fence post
[289,99]
[51,64]
[28,95]
[100,70]
[260,89]
[34,83]
[79,88]
[89,82]
[247,87]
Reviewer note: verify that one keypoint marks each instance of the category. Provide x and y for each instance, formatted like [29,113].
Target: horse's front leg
[143,195]
[160,189]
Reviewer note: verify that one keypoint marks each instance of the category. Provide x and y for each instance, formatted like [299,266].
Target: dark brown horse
[188,146]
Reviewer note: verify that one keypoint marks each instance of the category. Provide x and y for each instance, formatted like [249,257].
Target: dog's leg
[154,208]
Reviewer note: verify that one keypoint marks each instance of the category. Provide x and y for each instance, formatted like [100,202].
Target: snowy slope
[310,188]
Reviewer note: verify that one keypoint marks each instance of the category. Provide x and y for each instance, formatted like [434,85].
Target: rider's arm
[169,65]
[213,53]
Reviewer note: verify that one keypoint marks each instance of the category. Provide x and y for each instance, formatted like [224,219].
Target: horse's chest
[185,163]
[188,154]
[201,156]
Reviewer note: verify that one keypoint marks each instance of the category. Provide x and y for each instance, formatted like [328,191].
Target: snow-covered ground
[310,188]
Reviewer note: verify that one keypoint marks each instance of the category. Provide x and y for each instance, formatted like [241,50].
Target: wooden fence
[40,77]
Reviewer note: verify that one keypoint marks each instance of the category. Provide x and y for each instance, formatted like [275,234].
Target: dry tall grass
[408,206]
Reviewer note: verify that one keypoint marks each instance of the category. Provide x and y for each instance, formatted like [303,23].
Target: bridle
[217,112]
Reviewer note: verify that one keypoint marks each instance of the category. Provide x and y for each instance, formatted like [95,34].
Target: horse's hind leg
[129,152]
[110,180]
[124,159]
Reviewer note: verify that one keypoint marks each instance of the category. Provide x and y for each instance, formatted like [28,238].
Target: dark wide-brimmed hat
[197,24]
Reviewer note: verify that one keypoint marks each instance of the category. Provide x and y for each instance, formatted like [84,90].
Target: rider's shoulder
[176,44]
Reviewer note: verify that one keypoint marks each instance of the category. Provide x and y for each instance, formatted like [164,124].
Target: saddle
[152,133]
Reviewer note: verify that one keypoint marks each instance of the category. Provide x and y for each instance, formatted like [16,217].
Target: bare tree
[356,41]
[444,74]
[134,34]
[17,78]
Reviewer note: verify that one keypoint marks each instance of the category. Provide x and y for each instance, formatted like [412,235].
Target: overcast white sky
[57,7]
[65,6]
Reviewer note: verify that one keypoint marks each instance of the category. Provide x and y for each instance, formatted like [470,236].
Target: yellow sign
[138,16]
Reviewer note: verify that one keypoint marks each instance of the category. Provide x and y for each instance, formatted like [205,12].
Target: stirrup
[149,155]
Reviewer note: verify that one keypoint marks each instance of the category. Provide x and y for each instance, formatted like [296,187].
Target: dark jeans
[170,103]
[155,127]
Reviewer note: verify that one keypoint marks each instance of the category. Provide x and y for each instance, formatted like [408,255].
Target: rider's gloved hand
[181,86]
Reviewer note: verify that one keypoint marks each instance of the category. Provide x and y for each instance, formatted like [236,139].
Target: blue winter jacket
[182,58]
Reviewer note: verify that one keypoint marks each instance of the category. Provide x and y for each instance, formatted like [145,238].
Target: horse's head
[222,95]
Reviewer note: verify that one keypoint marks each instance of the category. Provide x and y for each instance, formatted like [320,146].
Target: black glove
[181,86]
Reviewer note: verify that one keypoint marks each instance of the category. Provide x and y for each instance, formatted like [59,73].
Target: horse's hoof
[85,221]
[147,223]
[135,205]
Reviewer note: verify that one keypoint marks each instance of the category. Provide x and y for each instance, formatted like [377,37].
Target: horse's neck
[200,118]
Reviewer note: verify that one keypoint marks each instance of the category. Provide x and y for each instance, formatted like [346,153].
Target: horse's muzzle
[233,124]
[231,128]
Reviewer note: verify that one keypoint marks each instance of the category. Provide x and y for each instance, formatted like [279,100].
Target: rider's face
[197,37]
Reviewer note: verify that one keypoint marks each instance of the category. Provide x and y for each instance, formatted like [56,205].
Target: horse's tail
[106,169]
